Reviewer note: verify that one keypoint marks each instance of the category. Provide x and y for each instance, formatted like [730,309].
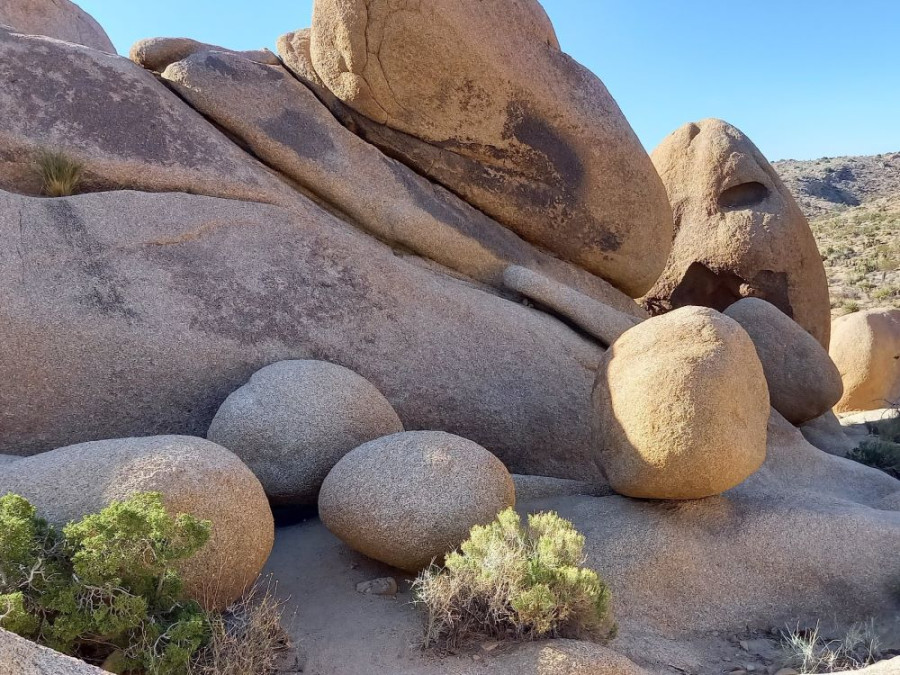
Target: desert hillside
[853,205]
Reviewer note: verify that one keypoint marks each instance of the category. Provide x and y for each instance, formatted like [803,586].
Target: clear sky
[803,78]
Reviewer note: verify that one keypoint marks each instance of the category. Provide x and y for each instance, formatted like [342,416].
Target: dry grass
[810,652]
[60,174]
[247,638]
[513,582]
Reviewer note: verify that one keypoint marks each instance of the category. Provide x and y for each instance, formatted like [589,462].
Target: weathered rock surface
[866,348]
[739,232]
[294,420]
[69,98]
[169,302]
[478,96]
[595,318]
[58,19]
[8,459]
[681,407]
[19,656]
[411,498]
[541,487]
[827,434]
[283,123]
[157,53]
[194,476]
[803,381]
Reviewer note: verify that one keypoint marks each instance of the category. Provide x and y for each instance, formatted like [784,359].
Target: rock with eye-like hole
[739,232]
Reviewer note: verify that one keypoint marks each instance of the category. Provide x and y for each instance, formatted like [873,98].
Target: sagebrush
[104,589]
[60,174]
[510,581]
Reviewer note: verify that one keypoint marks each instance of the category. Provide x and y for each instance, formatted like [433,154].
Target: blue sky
[803,78]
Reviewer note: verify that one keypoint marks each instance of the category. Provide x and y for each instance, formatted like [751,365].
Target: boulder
[60,96]
[283,123]
[478,96]
[739,232]
[803,381]
[157,53]
[681,406]
[411,498]
[866,348]
[19,656]
[194,476]
[294,420]
[58,19]
[595,318]
[170,302]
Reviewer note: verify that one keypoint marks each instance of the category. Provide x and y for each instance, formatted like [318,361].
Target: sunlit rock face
[739,232]
[478,96]
[58,19]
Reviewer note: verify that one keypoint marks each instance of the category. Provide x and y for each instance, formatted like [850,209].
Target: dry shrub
[247,637]
[60,173]
[810,652]
[510,581]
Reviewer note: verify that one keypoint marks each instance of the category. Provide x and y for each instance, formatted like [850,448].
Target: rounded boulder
[193,475]
[866,348]
[803,381]
[294,420]
[411,498]
[681,407]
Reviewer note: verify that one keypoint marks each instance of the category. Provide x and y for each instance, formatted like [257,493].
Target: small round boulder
[803,381]
[681,406]
[411,498]
[294,420]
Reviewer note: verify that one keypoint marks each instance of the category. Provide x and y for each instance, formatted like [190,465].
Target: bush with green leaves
[883,455]
[104,588]
[510,581]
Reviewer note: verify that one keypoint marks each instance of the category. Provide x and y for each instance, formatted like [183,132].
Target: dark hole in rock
[743,196]
[705,288]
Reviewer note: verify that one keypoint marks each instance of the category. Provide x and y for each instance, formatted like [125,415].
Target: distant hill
[853,204]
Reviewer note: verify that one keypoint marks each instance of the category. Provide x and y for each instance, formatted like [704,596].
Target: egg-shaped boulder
[411,498]
[866,348]
[294,420]
[803,380]
[681,407]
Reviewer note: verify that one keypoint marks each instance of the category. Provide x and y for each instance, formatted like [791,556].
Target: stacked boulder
[866,348]
[60,19]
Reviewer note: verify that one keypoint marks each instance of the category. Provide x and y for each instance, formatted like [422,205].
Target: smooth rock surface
[168,303]
[194,476]
[739,232]
[803,381]
[70,98]
[157,53]
[283,123]
[19,656]
[866,349]
[294,420]
[60,19]
[409,499]
[681,406]
[478,96]
[826,433]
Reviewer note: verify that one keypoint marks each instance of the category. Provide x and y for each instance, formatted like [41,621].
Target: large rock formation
[739,232]
[58,19]
[803,381]
[58,96]
[411,498]
[866,348]
[681,407]
[19,656]
[131,313]
[194,476]
[294,420]
[478,96]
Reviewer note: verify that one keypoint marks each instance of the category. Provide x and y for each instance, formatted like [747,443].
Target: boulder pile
[417,262]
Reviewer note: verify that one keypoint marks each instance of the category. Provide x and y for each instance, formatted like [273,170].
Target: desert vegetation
[882,450]
[513,581]
[810,651]
[60,173]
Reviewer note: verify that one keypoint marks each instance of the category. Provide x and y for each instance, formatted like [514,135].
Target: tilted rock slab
[193,475]
[111,115]
[283,123]
[19,656]
[130,313]
[739,232]
[58,19]
[866,348]
[477,95]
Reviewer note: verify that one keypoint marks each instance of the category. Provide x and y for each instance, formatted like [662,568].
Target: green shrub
[510,581]
[60,174]
[105,586]
[879,454]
